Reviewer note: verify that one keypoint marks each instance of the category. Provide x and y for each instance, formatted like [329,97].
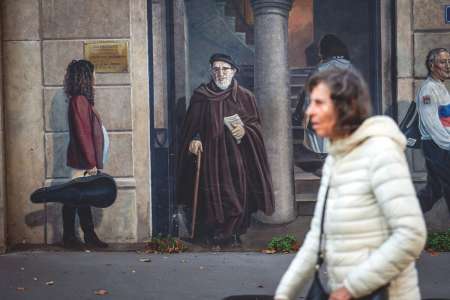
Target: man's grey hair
[431,57]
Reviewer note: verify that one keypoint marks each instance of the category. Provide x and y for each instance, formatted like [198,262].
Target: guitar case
[98,190]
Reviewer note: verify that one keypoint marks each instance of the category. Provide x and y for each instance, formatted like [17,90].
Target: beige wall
[2,154]
[36,53]
[420,28]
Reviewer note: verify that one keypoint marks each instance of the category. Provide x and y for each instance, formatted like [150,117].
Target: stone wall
[420,27]
[2,155]
[40,39]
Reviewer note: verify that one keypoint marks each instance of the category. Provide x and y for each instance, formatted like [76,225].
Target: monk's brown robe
[235,179]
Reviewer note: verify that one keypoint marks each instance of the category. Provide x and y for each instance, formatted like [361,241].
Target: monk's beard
[224,83]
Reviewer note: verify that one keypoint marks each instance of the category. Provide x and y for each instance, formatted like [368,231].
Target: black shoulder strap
[322,221]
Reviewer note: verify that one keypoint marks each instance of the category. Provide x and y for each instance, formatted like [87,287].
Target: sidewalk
[124,275]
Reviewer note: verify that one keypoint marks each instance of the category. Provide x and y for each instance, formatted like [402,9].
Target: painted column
[272,94]
[2,158]
[24,122]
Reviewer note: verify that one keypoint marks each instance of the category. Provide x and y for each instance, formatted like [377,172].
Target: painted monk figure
[235,179]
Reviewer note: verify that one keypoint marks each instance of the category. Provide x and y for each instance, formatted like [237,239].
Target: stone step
[298,79]
[231,22]
[296,89]
[306,184]
[241,36]
[305,208]
[311,197]
[301,71]
[220,7]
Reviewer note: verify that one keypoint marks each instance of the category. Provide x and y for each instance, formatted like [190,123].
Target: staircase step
[296,89]
[220,6]
[306,184]
[305,208]
[312,197]
[231,21]
[241,36]
[298,79]
[300,71]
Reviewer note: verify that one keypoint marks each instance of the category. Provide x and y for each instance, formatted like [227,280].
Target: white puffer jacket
[374,228]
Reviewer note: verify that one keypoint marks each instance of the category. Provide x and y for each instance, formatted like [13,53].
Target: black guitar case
[98,190]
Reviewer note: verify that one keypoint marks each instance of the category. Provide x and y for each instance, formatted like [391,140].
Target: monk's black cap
[224,58]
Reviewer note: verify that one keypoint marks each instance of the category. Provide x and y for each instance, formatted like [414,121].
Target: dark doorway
[356,23]
[162,137]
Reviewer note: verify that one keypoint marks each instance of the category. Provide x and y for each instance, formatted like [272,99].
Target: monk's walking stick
[195,200]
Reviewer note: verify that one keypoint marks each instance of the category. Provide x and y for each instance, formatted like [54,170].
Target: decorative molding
[279,7]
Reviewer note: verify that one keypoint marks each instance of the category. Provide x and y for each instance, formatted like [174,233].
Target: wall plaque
[107,56]
[447,14]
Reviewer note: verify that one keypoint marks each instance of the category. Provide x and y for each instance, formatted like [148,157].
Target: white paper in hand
[232,121]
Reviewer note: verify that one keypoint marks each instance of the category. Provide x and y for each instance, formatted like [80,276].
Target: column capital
[280,7]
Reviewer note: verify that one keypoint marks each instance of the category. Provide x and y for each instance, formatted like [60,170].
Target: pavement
[67,275]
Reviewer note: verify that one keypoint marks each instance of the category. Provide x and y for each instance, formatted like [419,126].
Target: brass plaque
[107,56]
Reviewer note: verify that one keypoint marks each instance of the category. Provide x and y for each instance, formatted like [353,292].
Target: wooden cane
[195,200]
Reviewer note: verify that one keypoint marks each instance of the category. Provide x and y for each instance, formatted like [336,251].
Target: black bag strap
[322,222]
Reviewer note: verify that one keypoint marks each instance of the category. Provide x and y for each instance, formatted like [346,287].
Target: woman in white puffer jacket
[373,226]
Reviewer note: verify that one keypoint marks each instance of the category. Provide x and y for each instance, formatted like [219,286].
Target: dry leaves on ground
[101,292]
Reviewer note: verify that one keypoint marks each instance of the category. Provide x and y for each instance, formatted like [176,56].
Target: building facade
[169,43]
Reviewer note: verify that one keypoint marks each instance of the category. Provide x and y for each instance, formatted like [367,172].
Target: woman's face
[321,111]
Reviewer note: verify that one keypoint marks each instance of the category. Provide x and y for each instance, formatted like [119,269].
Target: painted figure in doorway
[235,179]
[433,103]
[333,53]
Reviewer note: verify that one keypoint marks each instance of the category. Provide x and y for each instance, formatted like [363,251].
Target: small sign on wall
[107,56]
[447,14]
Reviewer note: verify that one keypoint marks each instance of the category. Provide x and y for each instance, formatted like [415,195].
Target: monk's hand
[195,147]
[238,132]
[340,294]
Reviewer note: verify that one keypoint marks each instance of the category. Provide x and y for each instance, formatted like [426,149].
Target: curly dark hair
[79,79]
[350,97]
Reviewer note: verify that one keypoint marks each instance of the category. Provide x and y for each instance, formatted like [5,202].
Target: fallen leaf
[50,282]
[101,292]
[145,260]
[20,289]
[269,251]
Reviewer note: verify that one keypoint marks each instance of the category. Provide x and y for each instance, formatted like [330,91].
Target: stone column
[2,157]
[272,94]
[24,122]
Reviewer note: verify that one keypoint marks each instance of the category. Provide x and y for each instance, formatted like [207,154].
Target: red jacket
[85,149]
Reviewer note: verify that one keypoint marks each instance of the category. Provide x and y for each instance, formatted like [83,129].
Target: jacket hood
[378,126]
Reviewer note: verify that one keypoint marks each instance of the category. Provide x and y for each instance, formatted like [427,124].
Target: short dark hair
[431,57]
[331,46]
[79,79]
[350,97]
